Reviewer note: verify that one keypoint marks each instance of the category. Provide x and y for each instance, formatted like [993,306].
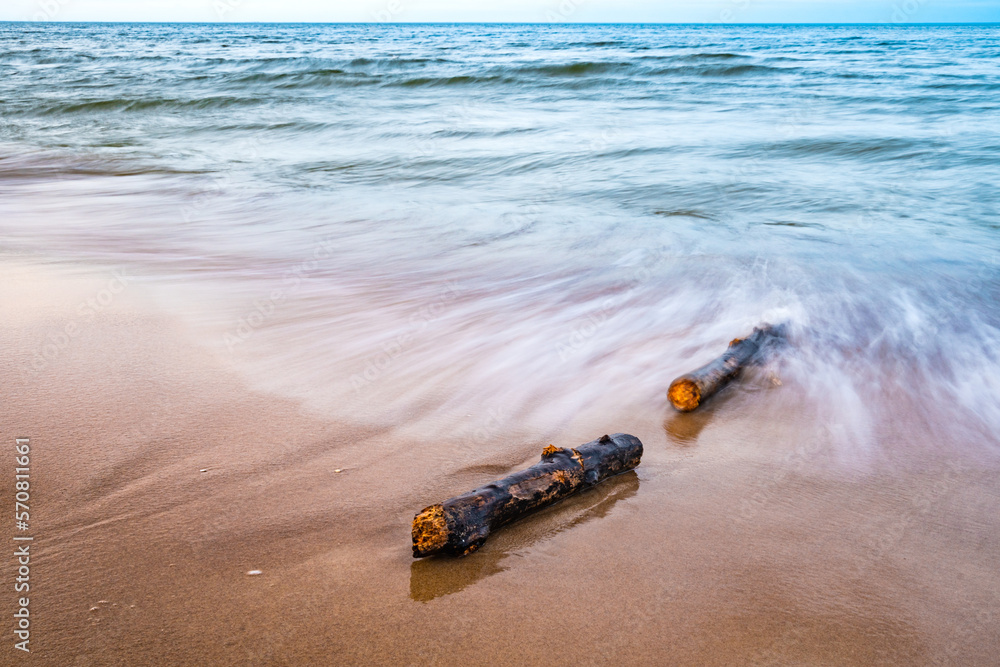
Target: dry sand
[159,480]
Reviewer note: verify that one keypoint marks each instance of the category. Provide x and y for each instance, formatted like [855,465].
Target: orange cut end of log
[430,531]
[684,395]
[735,341]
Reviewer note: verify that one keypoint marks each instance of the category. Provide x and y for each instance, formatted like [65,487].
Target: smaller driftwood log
[689,391]
[460,525]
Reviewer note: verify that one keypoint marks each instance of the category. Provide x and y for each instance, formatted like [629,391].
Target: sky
[652,11]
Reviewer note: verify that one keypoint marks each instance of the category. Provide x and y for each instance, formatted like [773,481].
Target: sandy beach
[161,480]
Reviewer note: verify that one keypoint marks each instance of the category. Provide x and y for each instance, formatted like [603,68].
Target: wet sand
[160,479]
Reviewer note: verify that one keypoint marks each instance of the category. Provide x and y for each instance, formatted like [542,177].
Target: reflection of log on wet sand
[685,428]
[433,577]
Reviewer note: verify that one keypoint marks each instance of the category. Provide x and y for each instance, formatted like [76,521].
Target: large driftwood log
[691,390]
[432,578]
[460,525]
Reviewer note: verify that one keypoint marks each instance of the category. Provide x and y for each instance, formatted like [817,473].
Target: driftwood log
[691,390]
[432,578]
[460,525]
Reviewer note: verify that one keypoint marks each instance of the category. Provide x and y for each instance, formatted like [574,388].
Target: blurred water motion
[477,227]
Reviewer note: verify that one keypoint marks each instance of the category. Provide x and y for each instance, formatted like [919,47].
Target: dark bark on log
[689,391]
[460,525]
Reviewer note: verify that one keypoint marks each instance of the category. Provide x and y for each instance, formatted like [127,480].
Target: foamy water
[475,228]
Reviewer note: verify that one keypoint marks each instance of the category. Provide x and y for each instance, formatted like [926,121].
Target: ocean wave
[394,61]
[148,104]
[473,134]
[682,213]
[595,44]
[582,68]
[968,85]
[435,81]
[279,77]
[321,78]
[52,165]
[711,56]
[884,148]
[585,74]
[721,70]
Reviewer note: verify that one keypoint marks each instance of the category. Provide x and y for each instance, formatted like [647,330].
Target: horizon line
[567,23]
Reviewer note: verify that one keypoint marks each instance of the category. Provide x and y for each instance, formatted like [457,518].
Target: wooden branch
[460,525]
[689,391]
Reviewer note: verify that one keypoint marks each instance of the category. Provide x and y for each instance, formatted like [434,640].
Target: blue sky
[727,11]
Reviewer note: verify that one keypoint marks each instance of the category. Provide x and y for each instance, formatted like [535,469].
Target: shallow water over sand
[483,228]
